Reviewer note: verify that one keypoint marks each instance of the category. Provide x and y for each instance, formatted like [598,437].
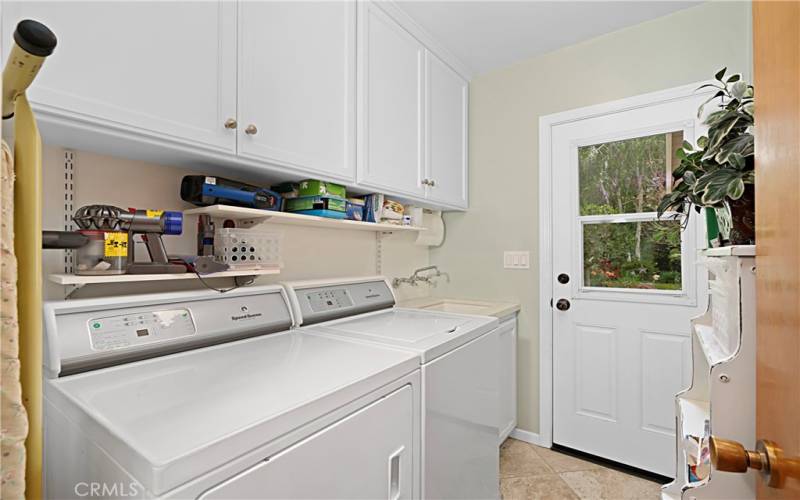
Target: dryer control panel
[88,334]
[113,332]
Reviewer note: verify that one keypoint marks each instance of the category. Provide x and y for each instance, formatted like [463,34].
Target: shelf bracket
[72,289]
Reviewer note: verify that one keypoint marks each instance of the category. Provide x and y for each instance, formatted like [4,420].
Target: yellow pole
[28,248]
[33,43]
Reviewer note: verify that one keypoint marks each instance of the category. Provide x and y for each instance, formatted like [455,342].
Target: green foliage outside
[625,177]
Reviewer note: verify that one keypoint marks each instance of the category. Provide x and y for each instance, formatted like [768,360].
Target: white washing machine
[458,355]
[208,395]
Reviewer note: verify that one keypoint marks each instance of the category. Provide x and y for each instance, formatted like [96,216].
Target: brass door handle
[775,467]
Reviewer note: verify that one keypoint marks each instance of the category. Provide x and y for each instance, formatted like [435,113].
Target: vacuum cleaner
[151,224]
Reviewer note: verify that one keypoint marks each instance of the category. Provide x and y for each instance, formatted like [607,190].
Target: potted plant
[719,172]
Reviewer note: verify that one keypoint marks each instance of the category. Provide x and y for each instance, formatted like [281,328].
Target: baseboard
[527,436]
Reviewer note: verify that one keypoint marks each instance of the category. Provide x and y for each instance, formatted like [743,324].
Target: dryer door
[368,454]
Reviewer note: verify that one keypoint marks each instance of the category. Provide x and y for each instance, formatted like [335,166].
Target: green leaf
[687,146]
[702,141]
[715,117]
[701,87]
[735,189]
[718,133]
[734,78]
[689,178]
[738,90]
[742,146]
[737,161]
[713,194]
[720,74]
[700,109]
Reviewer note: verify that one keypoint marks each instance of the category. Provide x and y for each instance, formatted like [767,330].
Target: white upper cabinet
[155,69]
[446,159]
[297,85]
[346,91]
[391,125]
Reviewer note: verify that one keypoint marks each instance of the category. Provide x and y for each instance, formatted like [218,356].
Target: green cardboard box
[313,187]
[315,203]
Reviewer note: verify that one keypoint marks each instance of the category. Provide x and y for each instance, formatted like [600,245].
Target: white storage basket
[247,248]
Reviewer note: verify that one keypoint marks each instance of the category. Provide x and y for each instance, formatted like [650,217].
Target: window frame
[689,237]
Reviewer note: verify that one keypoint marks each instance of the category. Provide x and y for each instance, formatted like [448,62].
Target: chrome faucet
[418,277]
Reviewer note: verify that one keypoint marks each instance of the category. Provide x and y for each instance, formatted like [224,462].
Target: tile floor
[531,472]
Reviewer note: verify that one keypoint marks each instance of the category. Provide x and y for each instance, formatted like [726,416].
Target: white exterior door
[391,121]
[624,283]
[447,133]
[158,69]
[297,85]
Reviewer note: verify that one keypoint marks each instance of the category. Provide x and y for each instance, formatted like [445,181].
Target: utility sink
[462,306]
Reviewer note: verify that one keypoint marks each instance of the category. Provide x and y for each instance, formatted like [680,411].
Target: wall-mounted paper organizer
[721,399]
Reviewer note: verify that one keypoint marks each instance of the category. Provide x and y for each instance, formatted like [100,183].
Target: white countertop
[733,250]
[463,306]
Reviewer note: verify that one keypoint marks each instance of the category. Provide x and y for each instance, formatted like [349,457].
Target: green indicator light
[96,325]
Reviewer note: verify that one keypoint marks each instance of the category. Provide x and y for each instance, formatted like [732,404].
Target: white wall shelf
[74,279]
[254,215]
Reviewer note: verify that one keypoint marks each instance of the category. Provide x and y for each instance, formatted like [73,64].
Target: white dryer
[208,395]
[458,355]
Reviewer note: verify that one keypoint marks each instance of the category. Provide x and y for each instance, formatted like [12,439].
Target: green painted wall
[505,106]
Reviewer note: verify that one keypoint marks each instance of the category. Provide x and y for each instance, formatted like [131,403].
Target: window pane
[643,255]
[628,176]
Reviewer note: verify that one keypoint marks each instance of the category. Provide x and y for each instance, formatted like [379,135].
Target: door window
[624,243]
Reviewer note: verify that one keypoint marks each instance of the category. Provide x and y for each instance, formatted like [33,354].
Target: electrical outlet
[516,259]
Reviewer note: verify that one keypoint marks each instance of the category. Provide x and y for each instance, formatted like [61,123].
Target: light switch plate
[516,259]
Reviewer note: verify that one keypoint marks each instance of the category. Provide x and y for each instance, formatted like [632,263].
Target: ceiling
[488,35]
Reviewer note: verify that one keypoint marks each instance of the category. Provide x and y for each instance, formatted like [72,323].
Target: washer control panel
[327,302]
[329,299]
[116,332]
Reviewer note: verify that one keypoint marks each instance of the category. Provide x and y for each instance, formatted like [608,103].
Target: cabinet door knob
[432,183]
[230,123]
[426,182]
[251,130]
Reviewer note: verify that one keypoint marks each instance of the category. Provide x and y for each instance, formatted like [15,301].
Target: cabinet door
[508,377]
[366,455]
[162,69]
[391,105]
[297,85]
[447,133]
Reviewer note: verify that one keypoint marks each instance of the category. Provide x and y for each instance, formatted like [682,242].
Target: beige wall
[505,107]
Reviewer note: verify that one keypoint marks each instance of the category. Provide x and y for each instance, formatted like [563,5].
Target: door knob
[432,183]
[775,467]
[426,182]
[251,130]
[562,304]
[230,123]
[563,278]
